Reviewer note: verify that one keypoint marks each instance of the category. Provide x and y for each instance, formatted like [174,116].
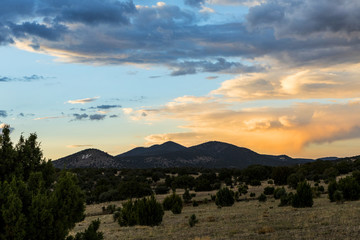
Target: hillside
[89,158]
[207,155]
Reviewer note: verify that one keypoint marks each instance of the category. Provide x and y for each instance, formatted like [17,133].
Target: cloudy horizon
[275,76]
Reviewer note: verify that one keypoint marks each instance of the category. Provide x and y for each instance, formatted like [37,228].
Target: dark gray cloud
[293,32]
[30,78]
[303,18]
[107,106]
[3,113]
[221,65]
[27,29]
[97,117]
[80,116]
[85,116]
[114,116]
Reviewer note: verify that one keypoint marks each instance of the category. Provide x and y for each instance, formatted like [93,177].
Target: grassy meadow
[244,220]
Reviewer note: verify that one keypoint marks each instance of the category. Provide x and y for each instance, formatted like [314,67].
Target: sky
[275,76]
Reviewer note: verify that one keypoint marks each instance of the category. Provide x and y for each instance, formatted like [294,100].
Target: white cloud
[82,101]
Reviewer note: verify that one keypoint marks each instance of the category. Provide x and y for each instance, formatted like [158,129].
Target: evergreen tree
[224,197]
[32,204]
[303,196]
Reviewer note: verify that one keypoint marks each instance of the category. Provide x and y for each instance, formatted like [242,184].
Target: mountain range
[170,154]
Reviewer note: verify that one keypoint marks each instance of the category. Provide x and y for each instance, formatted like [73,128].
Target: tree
[187,196]
[173,203]
[91,233]
[224,197]
[146,211]
[350,188]
[32,204]
[303,196]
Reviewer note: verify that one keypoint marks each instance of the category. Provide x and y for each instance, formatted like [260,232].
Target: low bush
[269,190]
[286,199]
[146,211]
[350,188]
[193,220]
[224,197]
[303,196]
[187,196]
[162,189]
[173,203]
[262,198]
[252,194]
[279,192]
[90,233]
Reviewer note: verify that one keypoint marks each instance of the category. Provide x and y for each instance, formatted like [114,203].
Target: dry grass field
[244,220]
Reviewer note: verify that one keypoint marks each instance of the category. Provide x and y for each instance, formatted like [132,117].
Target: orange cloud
[268,129]
[339,81]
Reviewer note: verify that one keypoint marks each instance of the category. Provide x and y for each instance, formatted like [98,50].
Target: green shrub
[252,194]
[162,189]
[270,181]
[331,190]
[279,192]
[286,199]
[262,198]
[146,211]
[224,197]
[173,203]
[195,203]
[350,188]
[303,196]
[269,190]
[193,220]
[255,182]
[338,196]
[243,189]
[321,189]
[90,233]
[133,189]
[187,196]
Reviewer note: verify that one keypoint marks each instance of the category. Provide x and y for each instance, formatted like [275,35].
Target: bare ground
[244,220]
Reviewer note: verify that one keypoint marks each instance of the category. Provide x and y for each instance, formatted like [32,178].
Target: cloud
[97,117]
[221,65]
[265,129]
[83,101]
[3,113]
[181,39]
[194,3]
[30,78]
[80,116]
[108,106]
[114,116]
[301,19]
[84,116]
[80,146]
[47,118]
[340,81]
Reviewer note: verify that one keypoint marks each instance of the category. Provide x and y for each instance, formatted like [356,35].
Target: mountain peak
[165,147]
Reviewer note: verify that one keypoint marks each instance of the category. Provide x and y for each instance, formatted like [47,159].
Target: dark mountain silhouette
[328,158]
[154,150]
[207,155]
[89,158]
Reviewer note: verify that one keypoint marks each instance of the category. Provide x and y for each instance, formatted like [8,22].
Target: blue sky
[279,77]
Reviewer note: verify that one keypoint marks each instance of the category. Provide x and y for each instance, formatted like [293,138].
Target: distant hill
[89,158]
[170,154]
[328,158]
[166,147]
